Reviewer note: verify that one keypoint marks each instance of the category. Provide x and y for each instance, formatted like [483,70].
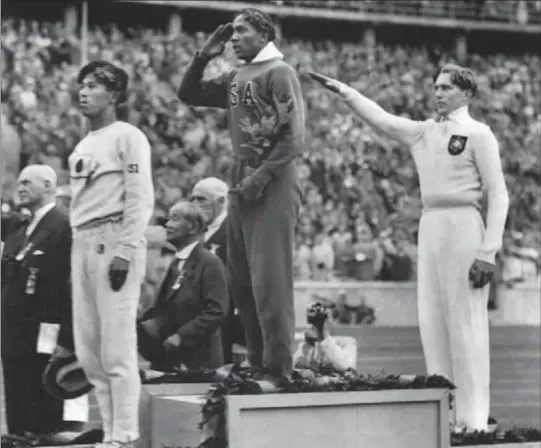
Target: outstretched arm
[401,129]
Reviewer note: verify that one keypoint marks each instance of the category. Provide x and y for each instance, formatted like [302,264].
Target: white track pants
[453,317]
[105,329]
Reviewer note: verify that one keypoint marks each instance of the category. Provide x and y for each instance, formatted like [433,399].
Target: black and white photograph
[270,224]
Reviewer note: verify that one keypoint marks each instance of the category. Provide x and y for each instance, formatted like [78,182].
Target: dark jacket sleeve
[196,91]
[289,132]
[215,303]
[65,336]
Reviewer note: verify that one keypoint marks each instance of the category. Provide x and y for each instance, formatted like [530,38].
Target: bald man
[36,304]
[211,195]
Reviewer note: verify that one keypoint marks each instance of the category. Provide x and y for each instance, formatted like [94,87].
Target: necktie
[174,268]
[176,265]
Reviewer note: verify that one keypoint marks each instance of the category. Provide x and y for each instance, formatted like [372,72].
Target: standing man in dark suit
[184,325]
[211,195]
[36,304]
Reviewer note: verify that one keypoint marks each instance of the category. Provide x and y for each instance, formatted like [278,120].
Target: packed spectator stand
[482,10]
[361,207]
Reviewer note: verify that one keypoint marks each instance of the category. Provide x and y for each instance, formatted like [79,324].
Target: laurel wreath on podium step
[245,381]
[236,380]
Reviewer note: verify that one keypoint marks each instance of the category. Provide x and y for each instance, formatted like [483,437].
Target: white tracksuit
[456,160]
[111,181]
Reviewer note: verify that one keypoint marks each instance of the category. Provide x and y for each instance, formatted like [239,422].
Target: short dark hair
[462,77]
[260,20]
[112,77]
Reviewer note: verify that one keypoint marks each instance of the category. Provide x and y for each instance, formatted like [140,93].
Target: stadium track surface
[515,364]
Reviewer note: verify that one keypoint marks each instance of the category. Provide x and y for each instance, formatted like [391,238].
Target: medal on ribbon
[31,281]
[179,280]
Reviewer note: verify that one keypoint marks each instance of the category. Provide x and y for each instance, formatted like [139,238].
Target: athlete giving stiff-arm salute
[266,124]
[457,158]
[112,203]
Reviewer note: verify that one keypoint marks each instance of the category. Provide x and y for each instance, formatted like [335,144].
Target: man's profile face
[448,96]
[246,40]
[31,190]
[177,226]
[207,201]
[94,97]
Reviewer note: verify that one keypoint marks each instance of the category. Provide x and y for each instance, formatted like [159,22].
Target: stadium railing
[457,14]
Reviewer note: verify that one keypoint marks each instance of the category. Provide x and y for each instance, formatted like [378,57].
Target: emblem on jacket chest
[457,144]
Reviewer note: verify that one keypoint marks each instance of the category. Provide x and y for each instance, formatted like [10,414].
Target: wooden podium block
[149,393]
[372,419]
[175,421]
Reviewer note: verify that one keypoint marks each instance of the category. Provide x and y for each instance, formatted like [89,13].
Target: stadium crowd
[362,204]
[491,10]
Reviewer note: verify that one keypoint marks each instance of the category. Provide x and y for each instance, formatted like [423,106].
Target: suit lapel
[219,236]
[183,277]
[166,283]
[39,234]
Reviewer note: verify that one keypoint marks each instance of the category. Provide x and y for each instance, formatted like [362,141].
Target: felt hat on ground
[64,378]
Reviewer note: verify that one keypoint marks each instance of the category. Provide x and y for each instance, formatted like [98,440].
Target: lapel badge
[179,280]
[30,287]
[457,144]
[100,249]
[23,252]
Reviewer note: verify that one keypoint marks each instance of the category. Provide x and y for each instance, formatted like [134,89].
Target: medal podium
[372,419]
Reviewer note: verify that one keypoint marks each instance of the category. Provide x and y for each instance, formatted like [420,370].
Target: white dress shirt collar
[38,216]
[184,253]
[269,51]
[459,114]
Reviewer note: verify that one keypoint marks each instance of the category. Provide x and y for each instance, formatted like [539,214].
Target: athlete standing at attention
[112,203]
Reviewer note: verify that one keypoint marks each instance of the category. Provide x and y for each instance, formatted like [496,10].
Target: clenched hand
[118,272]
[480,273]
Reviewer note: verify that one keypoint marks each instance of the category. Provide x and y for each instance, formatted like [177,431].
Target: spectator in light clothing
[303,257]
[322,258]
[11,150]
[520,263]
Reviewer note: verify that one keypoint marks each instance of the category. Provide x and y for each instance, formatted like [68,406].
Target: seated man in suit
[211,195]
[183,327]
